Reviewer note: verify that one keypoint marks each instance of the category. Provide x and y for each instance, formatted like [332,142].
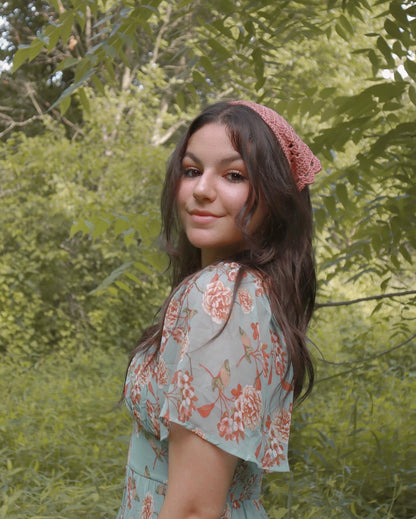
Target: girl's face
[213,189]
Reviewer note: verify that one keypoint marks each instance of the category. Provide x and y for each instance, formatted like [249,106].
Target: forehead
[212,139]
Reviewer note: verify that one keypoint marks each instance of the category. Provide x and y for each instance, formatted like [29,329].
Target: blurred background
[93,96]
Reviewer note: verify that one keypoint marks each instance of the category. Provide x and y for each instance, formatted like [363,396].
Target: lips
[202,213]
[202,217]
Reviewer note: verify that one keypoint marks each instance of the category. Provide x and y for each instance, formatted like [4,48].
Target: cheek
[236,200]
[181,195]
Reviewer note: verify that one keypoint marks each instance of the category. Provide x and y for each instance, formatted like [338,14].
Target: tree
[178,56]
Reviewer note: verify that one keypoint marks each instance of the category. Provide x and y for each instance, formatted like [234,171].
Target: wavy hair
[280,250]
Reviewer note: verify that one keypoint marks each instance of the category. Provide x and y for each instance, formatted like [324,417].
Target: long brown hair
[280,250]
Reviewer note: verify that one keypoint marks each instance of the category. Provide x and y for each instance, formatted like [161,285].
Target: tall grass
[63,445]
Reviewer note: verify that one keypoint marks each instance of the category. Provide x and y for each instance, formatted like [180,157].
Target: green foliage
[351,439]
[47,276]
[79,263]
[63,444]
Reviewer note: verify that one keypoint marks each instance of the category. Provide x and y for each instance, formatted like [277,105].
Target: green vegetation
[98,94]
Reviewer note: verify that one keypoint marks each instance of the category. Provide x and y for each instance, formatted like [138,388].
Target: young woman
[211,386]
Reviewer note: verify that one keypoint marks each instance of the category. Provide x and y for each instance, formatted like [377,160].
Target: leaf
[109,280]
[341,32]
[123,286]
[346,24]
[384,48]
[330,205]
[342,194]
[223,52]
[67,63]
[35,49]
[64,105]
[397,11]
[78,226]
[412,94]
[375,61]
[410,67]
[71,89]
[84,100]
[67,20]
[405,253]
[392,29]
[208,66]
[22,54]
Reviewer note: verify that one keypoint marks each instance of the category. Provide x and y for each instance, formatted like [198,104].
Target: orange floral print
[250,405]
[162,373]
[172,313]
[217,301]
[147,508]
[187,404]
[246,300]
[223,372]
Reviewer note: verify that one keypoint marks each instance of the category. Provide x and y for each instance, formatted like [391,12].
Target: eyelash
[232,176]
[238,177]
[189,172]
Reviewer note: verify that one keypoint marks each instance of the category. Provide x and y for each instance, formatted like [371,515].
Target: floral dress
[226,384]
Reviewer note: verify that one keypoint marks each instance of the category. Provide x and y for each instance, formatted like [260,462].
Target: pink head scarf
[302,161]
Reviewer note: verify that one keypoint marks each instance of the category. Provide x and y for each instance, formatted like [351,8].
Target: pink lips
[202,217]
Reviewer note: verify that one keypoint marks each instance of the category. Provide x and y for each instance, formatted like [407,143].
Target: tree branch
[369,298]
[362,361]
[14,124]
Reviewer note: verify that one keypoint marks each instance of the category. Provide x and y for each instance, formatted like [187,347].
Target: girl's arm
[199,477]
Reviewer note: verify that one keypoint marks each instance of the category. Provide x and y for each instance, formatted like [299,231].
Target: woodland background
[93,95]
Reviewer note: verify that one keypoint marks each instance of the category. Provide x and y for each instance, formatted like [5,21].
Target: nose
[204,187]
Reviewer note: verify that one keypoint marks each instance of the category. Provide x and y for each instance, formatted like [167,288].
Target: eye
[235,176]
[191,172]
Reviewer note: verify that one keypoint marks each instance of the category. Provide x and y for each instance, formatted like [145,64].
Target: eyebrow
[222,162]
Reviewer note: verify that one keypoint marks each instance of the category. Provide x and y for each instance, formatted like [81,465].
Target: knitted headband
[302,161]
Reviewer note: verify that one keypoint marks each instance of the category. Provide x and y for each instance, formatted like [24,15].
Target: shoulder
[225,273]
[215,290]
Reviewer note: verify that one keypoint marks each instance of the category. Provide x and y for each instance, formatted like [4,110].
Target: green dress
[225,384]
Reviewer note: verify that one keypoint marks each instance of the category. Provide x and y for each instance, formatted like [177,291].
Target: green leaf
[392,29]
[35,48]
[342,194]
[397,11]
[341,32]
[412,94]
[84,99]
[109,280]
[223,52]
[410,67]
[79,226]
[384,48]
[67,20]
[406,255]
[71,89]
[375,61]
[123,286]
[22,54]
[330,205]
[64,105]
[343,20]
[208,66]
[98,84]
[67,63]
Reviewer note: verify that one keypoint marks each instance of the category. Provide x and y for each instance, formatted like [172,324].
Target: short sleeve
[227,380]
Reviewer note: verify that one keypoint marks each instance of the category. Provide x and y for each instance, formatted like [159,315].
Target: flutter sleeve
[227,384]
